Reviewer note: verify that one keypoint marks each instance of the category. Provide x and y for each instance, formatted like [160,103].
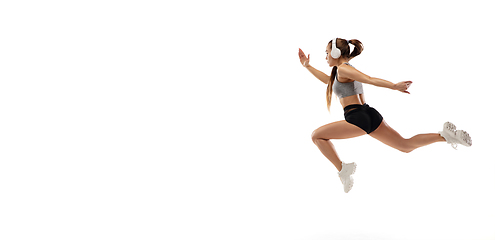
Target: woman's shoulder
[349,72]
[345,69]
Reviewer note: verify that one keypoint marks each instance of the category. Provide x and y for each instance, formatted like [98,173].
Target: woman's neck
[342,61]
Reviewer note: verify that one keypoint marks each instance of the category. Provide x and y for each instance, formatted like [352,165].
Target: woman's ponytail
[330,87]
[358,48]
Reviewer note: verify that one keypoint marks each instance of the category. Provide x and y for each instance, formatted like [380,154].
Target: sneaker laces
[454,145]
[449,139]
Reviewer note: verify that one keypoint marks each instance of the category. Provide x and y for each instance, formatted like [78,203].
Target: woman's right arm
[318,74]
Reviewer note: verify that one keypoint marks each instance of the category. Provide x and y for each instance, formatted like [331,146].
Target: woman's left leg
[336,130]
[385,134]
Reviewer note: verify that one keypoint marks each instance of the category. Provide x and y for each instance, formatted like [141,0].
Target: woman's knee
[405,147]
[406,150]
[315,136]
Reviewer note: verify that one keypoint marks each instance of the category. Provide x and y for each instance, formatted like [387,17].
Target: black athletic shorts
[363,116]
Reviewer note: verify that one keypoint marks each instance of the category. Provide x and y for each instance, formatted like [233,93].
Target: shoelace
[454,145]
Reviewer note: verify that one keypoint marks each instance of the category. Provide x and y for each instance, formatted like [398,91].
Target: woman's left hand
[403,86]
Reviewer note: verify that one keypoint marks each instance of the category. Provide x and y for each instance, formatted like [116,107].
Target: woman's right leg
[385,134]
[336,130]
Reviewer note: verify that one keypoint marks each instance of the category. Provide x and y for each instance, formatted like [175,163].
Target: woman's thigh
[338,130]
[386,134]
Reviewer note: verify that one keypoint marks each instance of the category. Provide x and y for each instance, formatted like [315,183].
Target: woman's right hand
[302,57]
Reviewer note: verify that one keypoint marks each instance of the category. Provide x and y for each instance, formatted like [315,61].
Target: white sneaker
[454,137]
[464,138]
[345,175]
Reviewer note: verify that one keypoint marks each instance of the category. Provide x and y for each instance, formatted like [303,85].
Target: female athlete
[347,83]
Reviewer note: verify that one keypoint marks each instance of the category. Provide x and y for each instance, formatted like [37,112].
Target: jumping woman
[347,83]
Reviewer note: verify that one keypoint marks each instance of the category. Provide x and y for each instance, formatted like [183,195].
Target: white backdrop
[192,120]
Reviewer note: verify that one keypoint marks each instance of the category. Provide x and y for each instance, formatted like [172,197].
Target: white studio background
[192,120]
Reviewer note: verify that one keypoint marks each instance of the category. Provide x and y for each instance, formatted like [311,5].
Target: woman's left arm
[354,74]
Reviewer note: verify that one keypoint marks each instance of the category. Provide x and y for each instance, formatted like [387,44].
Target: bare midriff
[354,99]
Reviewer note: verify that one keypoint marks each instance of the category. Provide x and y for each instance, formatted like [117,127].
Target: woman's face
[330,60]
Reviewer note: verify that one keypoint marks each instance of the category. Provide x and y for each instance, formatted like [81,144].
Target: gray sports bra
[347,89]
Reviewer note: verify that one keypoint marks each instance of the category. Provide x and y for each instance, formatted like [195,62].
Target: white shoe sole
[464,138]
